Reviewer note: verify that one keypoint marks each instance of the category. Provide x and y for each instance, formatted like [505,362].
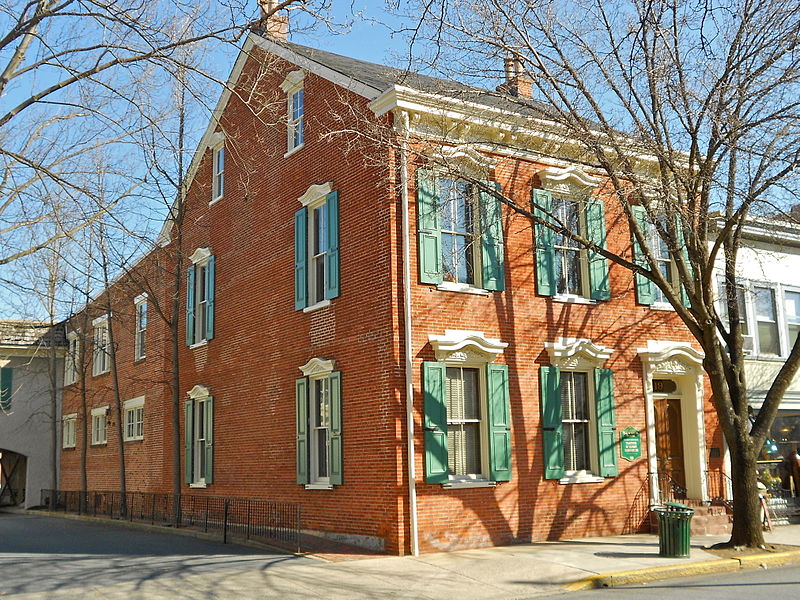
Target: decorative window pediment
[200,255]
[293,80]
[199,391]
[570,181]
[577,354]
[316,191]
[466,161]
[465,346]
[317,367]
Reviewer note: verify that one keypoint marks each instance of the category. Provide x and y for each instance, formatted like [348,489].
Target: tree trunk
[747,519]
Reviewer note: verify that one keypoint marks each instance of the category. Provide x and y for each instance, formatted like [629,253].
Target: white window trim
[315,196]
[98,412]
[100,366]
[139,352]
[316,369]
[471,350]
[199,393]
[581,355]
[294,82]
[200,258]
[131,405]
[73,418]
[779,291]
[462,288]
[217,194]
[71,360]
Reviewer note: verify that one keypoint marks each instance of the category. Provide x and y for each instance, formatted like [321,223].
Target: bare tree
[75,77]
[692,114]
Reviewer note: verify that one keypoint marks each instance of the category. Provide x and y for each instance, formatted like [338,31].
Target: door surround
[680,362]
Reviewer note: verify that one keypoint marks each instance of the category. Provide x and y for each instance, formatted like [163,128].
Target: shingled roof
[24,334]
[382,77]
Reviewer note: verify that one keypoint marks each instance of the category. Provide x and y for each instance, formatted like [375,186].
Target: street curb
[721,565]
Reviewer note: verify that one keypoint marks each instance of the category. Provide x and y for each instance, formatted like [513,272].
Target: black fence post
[225,523]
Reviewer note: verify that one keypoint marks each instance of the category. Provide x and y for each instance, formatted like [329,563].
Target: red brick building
[367,330]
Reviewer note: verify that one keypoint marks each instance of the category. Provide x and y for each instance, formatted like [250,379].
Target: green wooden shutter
[332,251]
[598,265]
[492,259]
[300,259]
[210,268]
[209,447]
[685,255]
[644,287]
[552,442]
[337,455]
[429,234]
[301,428]
[190,306]
[545,252]
[499,423]
[606,422]
[188,455]
[6,387]
[435,423]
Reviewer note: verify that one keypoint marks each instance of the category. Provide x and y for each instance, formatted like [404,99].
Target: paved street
[54,558]
[746,585]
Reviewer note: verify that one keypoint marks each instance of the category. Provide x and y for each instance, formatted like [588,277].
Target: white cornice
[572,180]
[317,366]
[315,191]
[456,341]
[199,391]
[572,353]
[660,355]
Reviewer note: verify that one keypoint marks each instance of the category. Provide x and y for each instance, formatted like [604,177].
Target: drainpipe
[403,125]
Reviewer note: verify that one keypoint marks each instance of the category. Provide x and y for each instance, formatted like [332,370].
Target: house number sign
[630,443]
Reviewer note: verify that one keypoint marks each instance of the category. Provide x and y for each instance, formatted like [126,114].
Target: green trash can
[674,529]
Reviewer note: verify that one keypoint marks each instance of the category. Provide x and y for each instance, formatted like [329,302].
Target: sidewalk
[57,570]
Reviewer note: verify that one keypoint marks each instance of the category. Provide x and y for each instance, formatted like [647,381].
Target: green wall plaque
[630,443]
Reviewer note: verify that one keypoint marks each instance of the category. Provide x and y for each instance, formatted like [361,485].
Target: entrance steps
[707,519]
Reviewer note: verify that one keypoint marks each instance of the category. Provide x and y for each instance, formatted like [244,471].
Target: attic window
[293,86]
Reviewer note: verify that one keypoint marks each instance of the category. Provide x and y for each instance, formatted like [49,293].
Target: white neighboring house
[26,414]
[769,298]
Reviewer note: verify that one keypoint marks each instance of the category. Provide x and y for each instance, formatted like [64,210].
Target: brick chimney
[274,24]
[517,82]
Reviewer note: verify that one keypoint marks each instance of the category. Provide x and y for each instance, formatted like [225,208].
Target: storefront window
[774,468]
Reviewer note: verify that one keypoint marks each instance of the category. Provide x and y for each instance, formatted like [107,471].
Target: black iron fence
[276,523]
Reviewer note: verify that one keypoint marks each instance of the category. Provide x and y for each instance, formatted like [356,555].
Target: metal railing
[275,523]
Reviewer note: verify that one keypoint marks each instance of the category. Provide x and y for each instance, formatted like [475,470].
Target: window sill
[317,306]
[572,299]
[199,344]
[293,150]
[458,484]
[666,306]
[68,447]
[765,357]
[134,439]
[101,373]
[318,486]
[464,288]
[215,200]
[198,486]
[99,443]
[139,359]
[581,478]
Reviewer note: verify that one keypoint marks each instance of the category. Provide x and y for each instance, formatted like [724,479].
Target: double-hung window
[69,425]
[134,419]
[766,315]
[293,87]
[99,425]
[72,358]
[578,413]
[101,356]
[318,401]
[140,335]
[651,227]
[564,268]
[460,233]
[218,166]
[316,268]
[791,302]
[200,297]
[467,412]
[199,437]
[764,327]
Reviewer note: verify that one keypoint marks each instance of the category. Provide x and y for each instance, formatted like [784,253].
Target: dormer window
[294,88]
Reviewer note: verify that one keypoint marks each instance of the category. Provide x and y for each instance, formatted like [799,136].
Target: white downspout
[409,370]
